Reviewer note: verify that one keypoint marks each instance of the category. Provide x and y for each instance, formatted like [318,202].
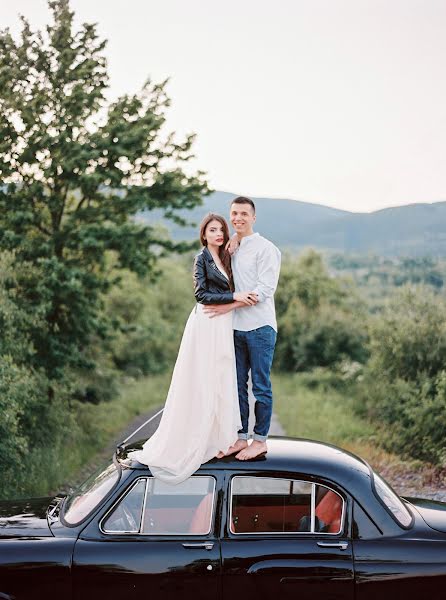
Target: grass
[322,412]
[319,413]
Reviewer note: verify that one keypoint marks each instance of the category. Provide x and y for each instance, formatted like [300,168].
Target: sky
[335,102]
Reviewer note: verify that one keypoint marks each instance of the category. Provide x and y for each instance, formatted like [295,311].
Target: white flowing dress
[201,415]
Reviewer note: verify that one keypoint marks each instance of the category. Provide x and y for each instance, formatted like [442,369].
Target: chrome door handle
[340,545]
[205,545]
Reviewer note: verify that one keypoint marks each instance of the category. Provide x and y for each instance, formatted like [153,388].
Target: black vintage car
[306,521]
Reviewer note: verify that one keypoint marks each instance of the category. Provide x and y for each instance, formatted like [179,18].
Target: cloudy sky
[337,102]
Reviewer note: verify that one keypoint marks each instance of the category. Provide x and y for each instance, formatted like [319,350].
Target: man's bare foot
[239,445]
[255,449]
[220,454]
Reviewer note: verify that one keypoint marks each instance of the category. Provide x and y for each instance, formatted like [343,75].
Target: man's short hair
[244,200]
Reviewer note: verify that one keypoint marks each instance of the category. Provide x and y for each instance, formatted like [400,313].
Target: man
[256,267]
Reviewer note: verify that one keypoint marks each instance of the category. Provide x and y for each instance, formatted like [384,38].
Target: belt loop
[196,306]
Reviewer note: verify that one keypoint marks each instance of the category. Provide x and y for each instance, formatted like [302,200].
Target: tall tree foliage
[74,170]
[320,318]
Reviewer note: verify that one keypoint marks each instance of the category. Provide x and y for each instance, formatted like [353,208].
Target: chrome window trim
[143,514]
[313,500]
[170,533]
[313,507]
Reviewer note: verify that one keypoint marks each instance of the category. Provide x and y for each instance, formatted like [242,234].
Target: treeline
[392,360]
[377,276]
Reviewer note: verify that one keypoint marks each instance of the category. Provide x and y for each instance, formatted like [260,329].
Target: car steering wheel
[129,518]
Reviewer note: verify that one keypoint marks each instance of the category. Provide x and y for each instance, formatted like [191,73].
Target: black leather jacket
[210,285]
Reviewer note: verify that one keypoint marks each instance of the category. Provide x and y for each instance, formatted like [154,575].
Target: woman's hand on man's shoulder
[232,244]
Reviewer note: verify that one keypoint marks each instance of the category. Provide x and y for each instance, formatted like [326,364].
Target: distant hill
[411,230]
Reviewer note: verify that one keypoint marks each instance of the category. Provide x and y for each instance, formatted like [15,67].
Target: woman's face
[214,233]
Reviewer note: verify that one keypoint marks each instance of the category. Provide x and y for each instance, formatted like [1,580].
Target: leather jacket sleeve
[205,293]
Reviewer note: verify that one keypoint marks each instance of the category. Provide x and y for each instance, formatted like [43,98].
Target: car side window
[273,505]
[126,516]
[153,507]
[183,508]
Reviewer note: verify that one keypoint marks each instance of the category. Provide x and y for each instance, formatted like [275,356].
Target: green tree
[74,172]
[149,320]
[308,280]
[322,337]
[321,318]
[27,420]
[409,337]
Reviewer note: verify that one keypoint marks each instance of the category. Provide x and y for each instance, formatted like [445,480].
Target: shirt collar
[249,237]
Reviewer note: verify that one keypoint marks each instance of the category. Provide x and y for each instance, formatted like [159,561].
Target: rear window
[275,505]
[391,501]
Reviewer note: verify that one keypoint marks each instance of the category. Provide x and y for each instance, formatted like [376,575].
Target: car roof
[288,455]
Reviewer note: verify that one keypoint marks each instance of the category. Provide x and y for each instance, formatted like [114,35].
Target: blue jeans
[255,350]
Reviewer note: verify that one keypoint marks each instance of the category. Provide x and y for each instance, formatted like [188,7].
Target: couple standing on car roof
[230,333]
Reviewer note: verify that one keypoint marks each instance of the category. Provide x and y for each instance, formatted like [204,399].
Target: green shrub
[319,338]
[412,415]
[150,318]
[30,423]
[404,385]
[409,337]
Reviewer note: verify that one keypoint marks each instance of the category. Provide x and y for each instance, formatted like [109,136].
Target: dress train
[201,415]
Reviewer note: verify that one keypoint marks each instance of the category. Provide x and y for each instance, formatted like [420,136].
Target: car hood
[24,517]
[432,511]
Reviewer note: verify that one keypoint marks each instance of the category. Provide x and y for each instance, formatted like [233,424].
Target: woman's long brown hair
[224,255]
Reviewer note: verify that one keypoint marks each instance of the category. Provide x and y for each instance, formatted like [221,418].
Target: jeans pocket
[266,335]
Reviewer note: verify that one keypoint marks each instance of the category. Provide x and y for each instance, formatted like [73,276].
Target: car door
[156,540]
[285,538]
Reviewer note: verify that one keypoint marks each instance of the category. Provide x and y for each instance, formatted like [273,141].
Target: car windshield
[87,496]
[392,502]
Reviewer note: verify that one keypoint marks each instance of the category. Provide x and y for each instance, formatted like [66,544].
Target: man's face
[242,218]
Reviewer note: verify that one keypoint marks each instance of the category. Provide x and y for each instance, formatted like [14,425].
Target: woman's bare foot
[239,445]
[255,449]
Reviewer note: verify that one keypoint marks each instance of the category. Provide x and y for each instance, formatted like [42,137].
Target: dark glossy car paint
[373,557]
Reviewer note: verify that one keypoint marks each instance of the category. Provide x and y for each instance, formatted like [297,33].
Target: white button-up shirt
[256,267]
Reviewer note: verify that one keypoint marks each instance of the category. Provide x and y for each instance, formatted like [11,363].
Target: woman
[201,416]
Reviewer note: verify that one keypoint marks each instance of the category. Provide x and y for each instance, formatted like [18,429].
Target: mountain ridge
[410,230]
